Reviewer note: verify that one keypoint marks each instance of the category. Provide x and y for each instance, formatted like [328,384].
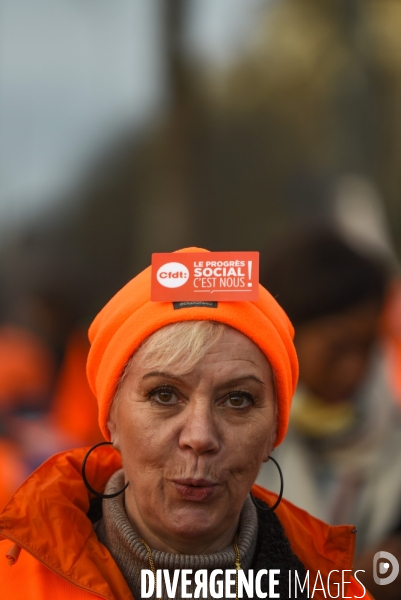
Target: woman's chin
[193,522]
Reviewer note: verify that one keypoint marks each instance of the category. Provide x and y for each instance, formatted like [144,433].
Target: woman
[342,452]
[193,401]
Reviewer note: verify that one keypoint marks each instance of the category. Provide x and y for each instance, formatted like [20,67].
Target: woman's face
[192,444]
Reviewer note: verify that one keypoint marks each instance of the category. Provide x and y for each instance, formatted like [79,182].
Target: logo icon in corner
[383,567]
[172,275]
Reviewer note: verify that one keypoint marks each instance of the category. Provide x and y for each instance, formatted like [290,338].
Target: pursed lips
[195,489]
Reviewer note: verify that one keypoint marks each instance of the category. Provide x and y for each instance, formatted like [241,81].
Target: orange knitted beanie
[130,317]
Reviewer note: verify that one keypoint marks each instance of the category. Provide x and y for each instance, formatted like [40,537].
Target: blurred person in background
[46,404]
[70,406]
[27,369]
[342,457]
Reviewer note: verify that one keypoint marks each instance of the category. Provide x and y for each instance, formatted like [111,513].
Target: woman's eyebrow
[241,379]
[161,374]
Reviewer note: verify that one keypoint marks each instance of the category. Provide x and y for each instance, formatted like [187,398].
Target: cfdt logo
[172,275]
[386,564]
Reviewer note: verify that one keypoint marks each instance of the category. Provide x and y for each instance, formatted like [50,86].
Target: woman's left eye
[239,400]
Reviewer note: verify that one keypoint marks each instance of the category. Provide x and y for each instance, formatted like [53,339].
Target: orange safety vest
[49,549]
[74,410]
[12,470]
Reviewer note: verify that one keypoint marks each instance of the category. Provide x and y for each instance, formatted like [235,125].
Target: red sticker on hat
[180,276]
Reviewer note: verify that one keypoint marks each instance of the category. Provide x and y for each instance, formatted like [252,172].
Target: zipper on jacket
[13,554]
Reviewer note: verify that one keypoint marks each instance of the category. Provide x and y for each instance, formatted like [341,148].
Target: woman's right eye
[164,396]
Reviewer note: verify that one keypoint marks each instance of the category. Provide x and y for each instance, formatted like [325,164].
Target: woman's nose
[199,431]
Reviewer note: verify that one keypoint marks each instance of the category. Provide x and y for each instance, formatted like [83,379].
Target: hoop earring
[86,482]
[275,505]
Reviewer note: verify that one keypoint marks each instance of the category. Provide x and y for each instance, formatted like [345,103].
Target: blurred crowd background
[136,126]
